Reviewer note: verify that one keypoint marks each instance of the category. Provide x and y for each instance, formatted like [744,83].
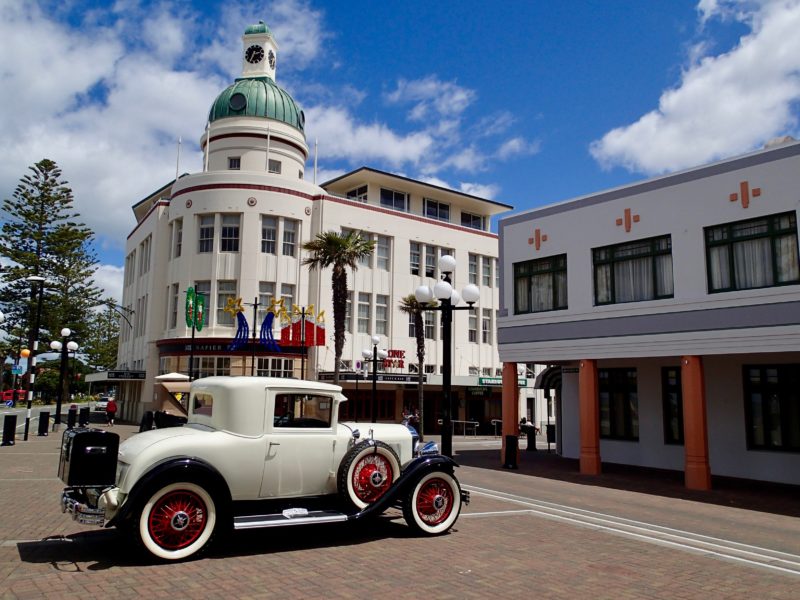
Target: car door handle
[271,444]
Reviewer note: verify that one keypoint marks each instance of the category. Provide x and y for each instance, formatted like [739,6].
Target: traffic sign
[17,370]
[9,403]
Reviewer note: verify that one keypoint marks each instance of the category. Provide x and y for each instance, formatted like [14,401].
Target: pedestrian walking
[111,412]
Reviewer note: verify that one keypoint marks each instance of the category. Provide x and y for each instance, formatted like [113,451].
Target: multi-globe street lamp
[33,343]
[374,354]
[448,299]
[64,348]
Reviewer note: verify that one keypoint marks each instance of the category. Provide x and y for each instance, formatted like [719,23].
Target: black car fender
[181,468]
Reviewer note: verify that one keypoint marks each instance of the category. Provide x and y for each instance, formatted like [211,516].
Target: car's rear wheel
[367,471]
[177,521]
[434,503]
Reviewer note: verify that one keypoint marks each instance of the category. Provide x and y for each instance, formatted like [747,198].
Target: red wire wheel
[434,501]
[433,504]
[367,472]
[177,521]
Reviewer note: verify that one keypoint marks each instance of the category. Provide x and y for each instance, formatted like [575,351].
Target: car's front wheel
[367,471]
[433,504]
[177,521]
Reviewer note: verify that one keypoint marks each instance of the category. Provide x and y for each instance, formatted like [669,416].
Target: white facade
[743,322]
[236,230]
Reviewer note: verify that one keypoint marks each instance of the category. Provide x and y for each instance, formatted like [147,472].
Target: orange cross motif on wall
[744,194]
[628,219]
[537,239]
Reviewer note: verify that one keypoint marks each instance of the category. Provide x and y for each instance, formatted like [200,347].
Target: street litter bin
[44,422]
[551,434]
[530,431]
[83,416]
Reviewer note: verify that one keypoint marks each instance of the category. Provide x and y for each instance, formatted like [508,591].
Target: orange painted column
[589,411]
[697,473]
[510,405]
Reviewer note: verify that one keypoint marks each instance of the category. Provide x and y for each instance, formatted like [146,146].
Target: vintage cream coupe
[255,452]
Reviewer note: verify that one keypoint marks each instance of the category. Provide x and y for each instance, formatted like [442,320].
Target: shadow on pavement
[726,491]
[107,548]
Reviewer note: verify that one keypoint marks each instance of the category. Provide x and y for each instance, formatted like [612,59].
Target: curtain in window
[786,258]
[542,288]
[633,280]
[753,263]
[664,283]
[602,276]
[523,295]
[720,268]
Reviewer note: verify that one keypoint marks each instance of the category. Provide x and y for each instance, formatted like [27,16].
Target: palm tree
[337,250]
[411,306]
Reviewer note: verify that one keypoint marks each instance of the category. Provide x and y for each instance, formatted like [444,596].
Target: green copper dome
[257,97]
[259,27]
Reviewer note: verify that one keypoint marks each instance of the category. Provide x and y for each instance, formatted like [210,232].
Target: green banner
[199,311]
[190,298]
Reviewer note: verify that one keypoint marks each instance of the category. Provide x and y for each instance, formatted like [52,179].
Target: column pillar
[697,473]
[510,405]
[589,418]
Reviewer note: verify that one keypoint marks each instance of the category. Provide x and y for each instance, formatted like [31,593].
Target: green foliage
[339,251]
[42,237]
[100,345]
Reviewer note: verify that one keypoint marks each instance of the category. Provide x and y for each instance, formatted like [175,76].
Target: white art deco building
[236,230]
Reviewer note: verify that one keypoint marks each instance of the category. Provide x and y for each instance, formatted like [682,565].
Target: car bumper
[80,511]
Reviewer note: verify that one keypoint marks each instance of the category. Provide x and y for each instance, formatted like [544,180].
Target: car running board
[290,516]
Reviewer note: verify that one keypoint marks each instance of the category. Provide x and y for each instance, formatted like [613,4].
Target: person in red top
[111,411]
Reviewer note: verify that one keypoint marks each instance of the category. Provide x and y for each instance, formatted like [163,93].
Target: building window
[365,260]
[269,234]
[394,200]
[430,261]
[348,313]
[177,237]
[359,193]
[471,221]
[619,404]
[173,318]
[274,166]
[473,326]
[753,254]
[772,407]
[486,269]
[672,399]
[473,269]
[226,290]
[634,271]
[289,237]
[433,209]
[382,314]
[414,258]
[496,273]
[384,253]
[486,326]
[287,295]
[430,325]
[229,236]
[430,369]
[363,312]
[234,163]
[206,234]
[474,371]
[203,288]
[540,285]
[266,294]
[275,367]
[223,366]
[412,329]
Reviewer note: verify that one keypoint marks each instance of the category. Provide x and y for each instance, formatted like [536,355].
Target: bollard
[44,422]
[512,443]
[83,416]
[9,430]
[72,416]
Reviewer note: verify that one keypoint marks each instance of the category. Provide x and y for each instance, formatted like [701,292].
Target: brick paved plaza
[522,536]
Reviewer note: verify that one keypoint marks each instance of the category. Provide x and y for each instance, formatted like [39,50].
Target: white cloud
[109,279]
[489,191]
[725,104]
[431,95]
[517,146]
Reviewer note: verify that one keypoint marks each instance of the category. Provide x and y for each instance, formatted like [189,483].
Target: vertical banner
[200,311]
[190,300]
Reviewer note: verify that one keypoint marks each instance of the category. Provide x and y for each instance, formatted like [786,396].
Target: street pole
[447,336]
[33,344]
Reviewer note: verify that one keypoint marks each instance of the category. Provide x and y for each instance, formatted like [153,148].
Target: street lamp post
[374,354]
[64,348]
[448,299]
[33,343]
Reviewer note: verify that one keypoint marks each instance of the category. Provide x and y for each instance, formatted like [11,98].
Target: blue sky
[524,102]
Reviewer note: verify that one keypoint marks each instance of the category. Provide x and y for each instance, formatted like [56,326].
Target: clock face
[271,59]
[254,54]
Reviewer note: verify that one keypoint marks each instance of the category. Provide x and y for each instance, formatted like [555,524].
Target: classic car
[255,452]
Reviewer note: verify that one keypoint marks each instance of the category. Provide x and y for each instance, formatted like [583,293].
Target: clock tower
[259,52]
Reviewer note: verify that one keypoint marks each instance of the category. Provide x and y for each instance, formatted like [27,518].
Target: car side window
[202,403]
[301,411]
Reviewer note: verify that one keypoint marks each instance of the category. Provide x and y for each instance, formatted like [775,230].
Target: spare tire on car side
[366,472]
